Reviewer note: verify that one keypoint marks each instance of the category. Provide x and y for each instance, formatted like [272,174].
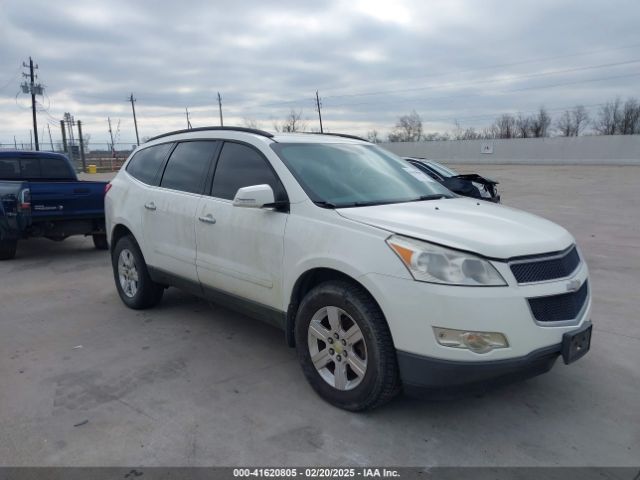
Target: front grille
[558,308]
[542,269]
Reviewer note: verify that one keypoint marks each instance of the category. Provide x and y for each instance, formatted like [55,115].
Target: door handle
[207,219]
[150,206]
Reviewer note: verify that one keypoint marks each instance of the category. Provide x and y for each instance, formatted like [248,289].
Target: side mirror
[255,196]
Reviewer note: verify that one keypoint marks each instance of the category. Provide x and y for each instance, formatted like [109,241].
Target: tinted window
[9,168]
[187,166]
[241,166]
[146,163]
[55,168]
[30,167]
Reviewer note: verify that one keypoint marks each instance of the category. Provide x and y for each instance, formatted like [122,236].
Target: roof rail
[344,135]
[204,129]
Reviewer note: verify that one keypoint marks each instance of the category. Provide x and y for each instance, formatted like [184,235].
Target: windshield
[351,175]
[441,169]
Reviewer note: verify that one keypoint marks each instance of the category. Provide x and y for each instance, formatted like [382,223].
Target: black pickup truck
[41,196]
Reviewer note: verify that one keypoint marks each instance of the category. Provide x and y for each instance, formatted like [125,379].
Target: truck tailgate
[55,200]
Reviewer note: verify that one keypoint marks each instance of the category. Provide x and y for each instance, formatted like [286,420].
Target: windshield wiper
[324,204]
[437,196]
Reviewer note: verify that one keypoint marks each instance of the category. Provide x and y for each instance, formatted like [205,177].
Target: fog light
[477,342]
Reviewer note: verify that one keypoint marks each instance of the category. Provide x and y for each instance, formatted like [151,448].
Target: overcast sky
[371,60]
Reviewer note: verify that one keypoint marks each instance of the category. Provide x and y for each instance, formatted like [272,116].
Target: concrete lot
[86,381]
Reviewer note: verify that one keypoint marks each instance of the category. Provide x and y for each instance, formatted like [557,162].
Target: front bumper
[424,376]
[413,308]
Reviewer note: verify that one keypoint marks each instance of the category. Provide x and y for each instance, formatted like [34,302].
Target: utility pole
[64,136]
[50,139]
[220,109]
[319,107]
[84,163]
[31,138]
[15,144]
[33,89]
[186,109]
[69,120]
[113,152]
[135,122]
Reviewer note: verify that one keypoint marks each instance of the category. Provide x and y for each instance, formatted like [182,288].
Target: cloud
[371,61]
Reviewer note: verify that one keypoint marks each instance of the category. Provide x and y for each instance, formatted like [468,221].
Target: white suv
[380,277]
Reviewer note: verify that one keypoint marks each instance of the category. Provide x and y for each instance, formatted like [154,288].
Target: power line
[525,62]
[459,84]
[465,95]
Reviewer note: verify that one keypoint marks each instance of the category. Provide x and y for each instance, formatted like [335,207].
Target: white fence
[588,150]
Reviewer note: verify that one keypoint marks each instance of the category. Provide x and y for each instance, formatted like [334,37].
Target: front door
[240,250]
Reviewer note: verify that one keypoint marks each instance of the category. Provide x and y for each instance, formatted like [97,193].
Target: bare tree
[436,136]
[373,136]
[608,118]
[293,123]
[504,127]
[250,123]
[460,133]
[629,123]
[524,126]
[408,129]
[573,122]
[540,124]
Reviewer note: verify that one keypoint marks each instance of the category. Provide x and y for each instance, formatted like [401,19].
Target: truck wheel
[345,347]
[134,285]
[100,242]
[8,249]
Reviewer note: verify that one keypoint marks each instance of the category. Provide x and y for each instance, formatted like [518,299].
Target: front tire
[345,347]
[133,282]
[8,249]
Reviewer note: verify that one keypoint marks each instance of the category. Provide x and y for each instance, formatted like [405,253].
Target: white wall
[589,150]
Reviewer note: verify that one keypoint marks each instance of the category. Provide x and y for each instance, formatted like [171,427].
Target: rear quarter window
[146,163]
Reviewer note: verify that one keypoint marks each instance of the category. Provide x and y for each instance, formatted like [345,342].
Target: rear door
[170,209]
[240,250]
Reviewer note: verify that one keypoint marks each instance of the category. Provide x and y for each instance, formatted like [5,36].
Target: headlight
[431,263]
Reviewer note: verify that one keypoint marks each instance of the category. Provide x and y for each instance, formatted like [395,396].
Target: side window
[146,163]
[55,168]
[30,168]
[9,168]
[241,166]
[187,167]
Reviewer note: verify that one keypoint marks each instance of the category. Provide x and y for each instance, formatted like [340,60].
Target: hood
[481,227]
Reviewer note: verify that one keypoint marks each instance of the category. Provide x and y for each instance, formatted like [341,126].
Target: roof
[299,137]
[30,153]
[316,138]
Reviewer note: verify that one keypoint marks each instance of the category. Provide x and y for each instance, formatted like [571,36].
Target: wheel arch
[119,231]
[307,281]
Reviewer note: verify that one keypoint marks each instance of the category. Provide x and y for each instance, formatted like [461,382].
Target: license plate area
[576,344]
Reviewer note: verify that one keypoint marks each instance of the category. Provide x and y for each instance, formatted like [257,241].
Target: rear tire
[100,242]
[8,249]
[134,285]
[345,347]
